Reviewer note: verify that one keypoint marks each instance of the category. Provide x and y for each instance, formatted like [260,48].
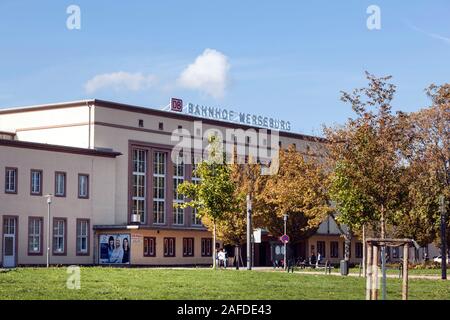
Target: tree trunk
[214,245]
[364,262]
[236,256]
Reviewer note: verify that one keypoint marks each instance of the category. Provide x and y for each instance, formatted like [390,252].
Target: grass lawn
[395,271]
[135,283]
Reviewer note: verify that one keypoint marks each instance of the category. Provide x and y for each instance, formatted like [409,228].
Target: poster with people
[114,248]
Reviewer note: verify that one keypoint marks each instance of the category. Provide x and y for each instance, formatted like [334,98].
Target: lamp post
[49,202]
[249,231]
[442,209]
[285,217]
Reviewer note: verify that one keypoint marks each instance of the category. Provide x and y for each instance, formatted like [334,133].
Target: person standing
[221,258]
[312,260]
[225,261]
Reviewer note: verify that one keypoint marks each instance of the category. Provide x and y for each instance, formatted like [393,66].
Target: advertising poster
[114,248]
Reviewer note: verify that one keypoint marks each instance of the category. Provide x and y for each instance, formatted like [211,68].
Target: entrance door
[9,242]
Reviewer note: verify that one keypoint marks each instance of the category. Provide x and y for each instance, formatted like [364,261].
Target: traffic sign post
[284,238]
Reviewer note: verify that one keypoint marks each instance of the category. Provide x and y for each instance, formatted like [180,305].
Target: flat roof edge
[152,111]
[39,107]
[183,116]
[58,148]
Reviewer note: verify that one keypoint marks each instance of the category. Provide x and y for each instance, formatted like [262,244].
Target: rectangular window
[11,180]
[36,182]
[149,247]
[83,236]
[60,184]
[59,236]
[178,178]
[159,187]
[139,184]
[196,221]
[188,247]
[35,236]
[206,247]
[334,249]
[169,247]
[358,250]
[321,248]
[83,186]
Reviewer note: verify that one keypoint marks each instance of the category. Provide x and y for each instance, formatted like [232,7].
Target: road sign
[284,238]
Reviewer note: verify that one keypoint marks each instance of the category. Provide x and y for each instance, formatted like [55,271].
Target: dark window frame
[55,253]
[186,247]
[205,251]
[151,243]
[16,180]
[41,236]
[65,183]
[324,249]
[87,186]
[88,241]
[40,182]
[334,253]
[167,247]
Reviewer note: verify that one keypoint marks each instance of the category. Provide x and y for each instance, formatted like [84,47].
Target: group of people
[313,261]
[118,252]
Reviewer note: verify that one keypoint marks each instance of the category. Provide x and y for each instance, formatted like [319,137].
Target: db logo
[176,105]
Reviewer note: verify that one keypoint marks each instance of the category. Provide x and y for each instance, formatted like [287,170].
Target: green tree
[428,155]
[232,228]
[214,197]
[298,190]
[364,153]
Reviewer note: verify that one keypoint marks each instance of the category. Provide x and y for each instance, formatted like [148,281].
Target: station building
[112,181]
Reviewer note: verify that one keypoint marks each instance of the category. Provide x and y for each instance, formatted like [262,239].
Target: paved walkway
[334,273]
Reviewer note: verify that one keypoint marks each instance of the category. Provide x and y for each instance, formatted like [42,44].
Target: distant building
[108,167]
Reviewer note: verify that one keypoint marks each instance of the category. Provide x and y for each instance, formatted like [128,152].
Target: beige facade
[22,204]
[98,138]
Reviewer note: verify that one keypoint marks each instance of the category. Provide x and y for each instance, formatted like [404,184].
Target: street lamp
[285,217]
[49,202]
[249,232]
[442,209]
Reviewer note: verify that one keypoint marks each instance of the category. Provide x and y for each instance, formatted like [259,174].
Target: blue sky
[285,59]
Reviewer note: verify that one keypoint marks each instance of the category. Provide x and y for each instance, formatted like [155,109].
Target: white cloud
[208,74]
[120,81]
